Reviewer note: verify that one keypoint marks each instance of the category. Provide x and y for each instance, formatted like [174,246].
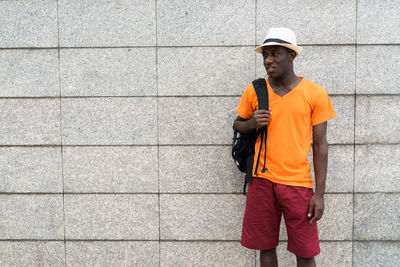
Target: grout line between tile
[188,240]
[158,141]
[174,96]
[187,46]
[61,140]
[175,193]
[178,145]
[255,77]
[354,134]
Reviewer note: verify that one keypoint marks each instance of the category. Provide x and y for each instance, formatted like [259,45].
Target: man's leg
[305,262]
[302,235]
[268,258]
[262,217]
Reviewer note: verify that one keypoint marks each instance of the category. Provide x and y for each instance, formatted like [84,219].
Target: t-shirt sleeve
[323,109]
[247,106]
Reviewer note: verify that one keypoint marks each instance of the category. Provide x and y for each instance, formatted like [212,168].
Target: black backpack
[243,144]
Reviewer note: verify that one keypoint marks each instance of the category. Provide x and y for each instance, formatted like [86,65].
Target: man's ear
[292,56]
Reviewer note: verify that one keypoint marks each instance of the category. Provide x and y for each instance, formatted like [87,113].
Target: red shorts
[265,203]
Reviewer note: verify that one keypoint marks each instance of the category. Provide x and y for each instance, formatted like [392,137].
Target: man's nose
[268,60]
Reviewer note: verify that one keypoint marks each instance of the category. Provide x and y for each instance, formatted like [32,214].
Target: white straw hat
[282,37]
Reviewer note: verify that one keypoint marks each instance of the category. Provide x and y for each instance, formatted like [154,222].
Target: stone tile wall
[115,129]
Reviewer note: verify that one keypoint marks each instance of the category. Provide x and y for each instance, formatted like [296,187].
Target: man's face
[277,60]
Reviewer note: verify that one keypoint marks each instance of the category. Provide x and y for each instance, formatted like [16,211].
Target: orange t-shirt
[289,130]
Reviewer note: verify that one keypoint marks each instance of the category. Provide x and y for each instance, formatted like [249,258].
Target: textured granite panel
[205,254]
[191,120]
[314,22]
[201,217]
[107,23]
[332,254]
[340,168]
[378,22]
[377,216]
[378,69]
[378,119]
[30,169]
[111,217]
[109,121]
[128,169]
[385,254]
[108,72]
[199,169]
[283,232]
[377,168]
[28,23]
[29,121]
[335,254]
[120,253]
[31,217]
[189,23]
[205,70]
[28,73]
[337,220]
[332,67]
[260,69]
[27,253]
[341,129]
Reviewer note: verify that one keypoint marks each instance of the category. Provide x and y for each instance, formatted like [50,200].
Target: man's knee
[268,258]
[305,261]
[268,251]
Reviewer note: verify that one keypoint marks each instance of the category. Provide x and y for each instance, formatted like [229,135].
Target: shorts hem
[311,255]
[258,248]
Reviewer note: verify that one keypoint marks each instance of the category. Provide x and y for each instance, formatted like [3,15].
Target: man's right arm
[246,126]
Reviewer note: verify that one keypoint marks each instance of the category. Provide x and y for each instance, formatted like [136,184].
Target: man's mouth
[270,68]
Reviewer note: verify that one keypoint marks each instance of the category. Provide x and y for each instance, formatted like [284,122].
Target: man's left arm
[320,159]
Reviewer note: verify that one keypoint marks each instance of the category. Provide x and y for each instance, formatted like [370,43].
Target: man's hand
[317,205]
[260,118]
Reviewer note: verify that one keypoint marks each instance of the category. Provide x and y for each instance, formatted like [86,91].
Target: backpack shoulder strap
[260,86]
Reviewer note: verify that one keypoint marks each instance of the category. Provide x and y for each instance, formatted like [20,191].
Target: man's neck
[286,81]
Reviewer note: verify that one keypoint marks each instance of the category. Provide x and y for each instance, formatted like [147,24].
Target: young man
[298,114]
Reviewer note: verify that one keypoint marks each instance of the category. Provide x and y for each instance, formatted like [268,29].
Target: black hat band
[272,40]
